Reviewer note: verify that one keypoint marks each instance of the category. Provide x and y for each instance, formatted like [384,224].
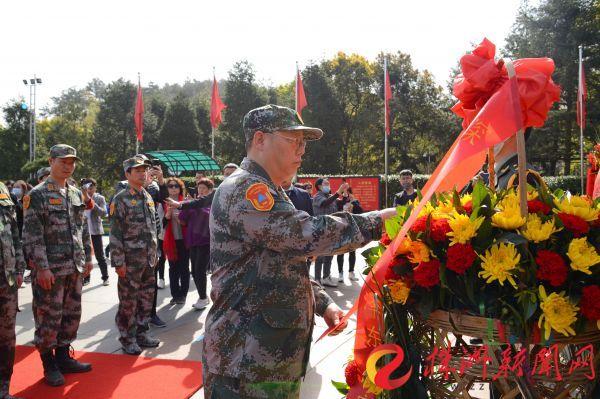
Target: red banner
[365,189]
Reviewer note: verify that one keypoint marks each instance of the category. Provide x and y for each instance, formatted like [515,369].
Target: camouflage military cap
[63,151]
[42,172]
[272,118]
[135,161]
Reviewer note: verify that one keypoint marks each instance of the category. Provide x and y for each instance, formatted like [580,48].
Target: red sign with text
[365,189]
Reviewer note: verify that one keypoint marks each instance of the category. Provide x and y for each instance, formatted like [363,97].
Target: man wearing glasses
[259,329]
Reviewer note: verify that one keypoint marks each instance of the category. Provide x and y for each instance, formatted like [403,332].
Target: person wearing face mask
[18,190]
[408,192]
[325,204]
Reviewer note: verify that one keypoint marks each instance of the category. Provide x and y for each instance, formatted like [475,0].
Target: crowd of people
[52,231]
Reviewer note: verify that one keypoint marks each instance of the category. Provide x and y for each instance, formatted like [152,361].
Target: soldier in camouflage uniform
[57,243]
[12,266]
[133,252]
[259,329]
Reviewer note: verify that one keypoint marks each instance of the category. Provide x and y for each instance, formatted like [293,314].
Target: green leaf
[392,226]
[341,387]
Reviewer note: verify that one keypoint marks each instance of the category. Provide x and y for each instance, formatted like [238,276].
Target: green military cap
[135,161]
[272,118]
[63,151]
[42,172]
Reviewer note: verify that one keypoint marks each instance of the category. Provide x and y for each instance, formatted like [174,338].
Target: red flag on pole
[387,98]
[581,97]
[300,96]
[216,105]
[138,116]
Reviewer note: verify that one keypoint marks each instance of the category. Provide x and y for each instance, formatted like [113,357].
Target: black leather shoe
[67,364]
[52,375]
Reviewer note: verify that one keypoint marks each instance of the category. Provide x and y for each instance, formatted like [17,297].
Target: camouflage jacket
[11,259]
[134,229]
[260,325]
[55,233]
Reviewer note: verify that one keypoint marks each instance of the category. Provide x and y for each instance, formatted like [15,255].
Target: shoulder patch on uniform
[133,202]
[258,194]
[112,208]
[4,196]
[55,201]
[26,201]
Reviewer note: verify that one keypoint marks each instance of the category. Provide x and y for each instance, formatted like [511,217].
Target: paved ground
[185,326]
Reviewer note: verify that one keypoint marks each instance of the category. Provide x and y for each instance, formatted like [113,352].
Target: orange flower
[419,252]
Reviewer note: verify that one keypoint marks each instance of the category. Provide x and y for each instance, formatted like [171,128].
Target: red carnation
[439,228]
[460,257]
[385,239]
[590,302]
[468,207]
[537,206]
[551,268]
[427,274]
[420,225]
[352,373]
[574,224]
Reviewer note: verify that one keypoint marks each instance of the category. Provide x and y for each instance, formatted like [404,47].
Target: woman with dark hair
[174,245]
[197,239]
[325,204]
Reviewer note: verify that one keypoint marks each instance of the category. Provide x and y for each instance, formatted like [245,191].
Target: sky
[68,43]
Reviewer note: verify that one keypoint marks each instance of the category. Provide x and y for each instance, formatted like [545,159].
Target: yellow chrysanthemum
[582,255]
[370,385]
[531,195]
[444,210]
[427,210]
[508,216]
[465,199]
[463,228]
[404,246]
[557,313]
[578,206]
[419,252]
[399,291]
[536,231]
[499,263]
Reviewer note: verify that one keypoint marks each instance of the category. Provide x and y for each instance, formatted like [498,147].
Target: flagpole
[385,134]
[580,116]
[296,89]
[137,141]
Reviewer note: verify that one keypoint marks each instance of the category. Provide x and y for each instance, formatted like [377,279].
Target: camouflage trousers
[136,296]
[57,311]
[8,314]
[221,387]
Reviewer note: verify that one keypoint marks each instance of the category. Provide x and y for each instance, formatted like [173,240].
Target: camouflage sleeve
[322,299]
[18,245]
[286,229]
[117,254]
[34,244]
[99,209]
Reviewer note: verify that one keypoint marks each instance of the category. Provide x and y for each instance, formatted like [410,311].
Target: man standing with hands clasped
[133,253]
[57,242]
[259,329]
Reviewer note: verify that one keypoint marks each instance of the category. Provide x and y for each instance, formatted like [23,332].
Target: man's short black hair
[406,172]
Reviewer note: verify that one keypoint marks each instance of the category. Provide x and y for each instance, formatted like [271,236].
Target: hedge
[571,183]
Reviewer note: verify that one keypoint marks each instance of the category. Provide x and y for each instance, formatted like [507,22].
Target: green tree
[14,141]
[179,130]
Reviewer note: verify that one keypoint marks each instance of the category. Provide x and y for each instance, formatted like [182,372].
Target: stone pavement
[181,337]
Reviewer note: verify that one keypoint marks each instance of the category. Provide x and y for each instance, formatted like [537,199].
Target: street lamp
[32,83]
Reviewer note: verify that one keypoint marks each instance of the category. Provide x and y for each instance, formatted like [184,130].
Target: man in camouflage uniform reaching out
[259,329]
[57,243]
[133,252]
[12,266]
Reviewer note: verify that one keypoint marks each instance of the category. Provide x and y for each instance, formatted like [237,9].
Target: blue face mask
[17,191]
[326,189]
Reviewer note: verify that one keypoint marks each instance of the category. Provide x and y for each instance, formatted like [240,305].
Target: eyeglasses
[299,143]
[173,186]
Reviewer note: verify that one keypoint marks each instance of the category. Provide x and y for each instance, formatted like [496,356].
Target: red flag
[138,116]
[300,96]
[581,97]
[216,105]
[387,98]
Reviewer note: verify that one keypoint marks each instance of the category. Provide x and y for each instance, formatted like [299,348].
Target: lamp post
[32,83]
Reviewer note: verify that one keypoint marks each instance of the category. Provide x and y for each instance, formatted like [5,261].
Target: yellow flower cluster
[582,255]
[416,251]
[399,291]
[370,385]
[557,313]
[499,263]
[578,206]
[509,215]
[536,231]
[463,228]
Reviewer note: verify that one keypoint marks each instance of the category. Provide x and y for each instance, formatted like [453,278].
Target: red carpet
[112,376]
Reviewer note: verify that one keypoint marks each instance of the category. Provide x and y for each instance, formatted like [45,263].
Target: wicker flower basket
[447,330]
